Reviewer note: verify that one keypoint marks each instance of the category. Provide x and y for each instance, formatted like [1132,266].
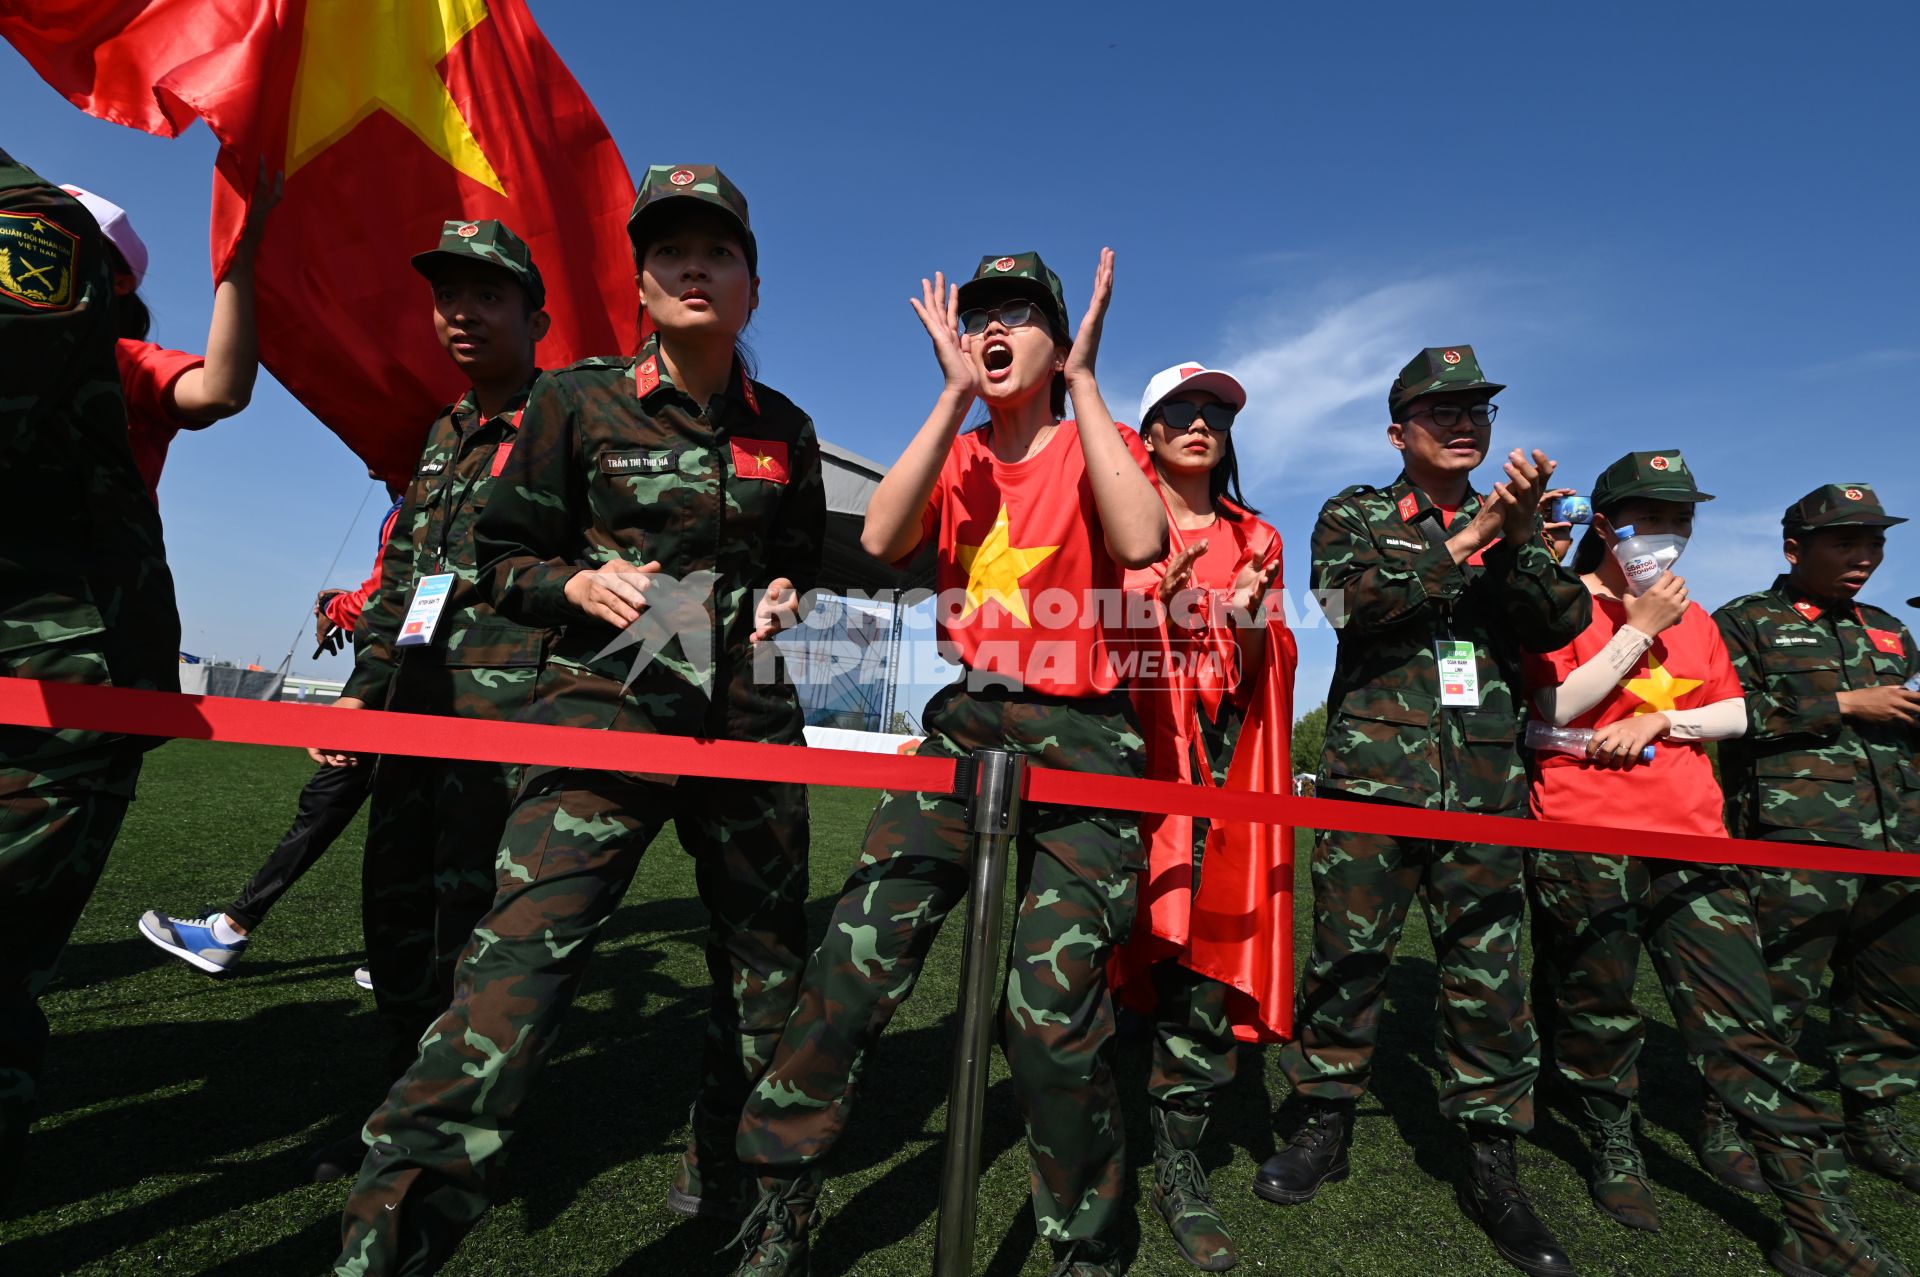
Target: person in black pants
[328,805]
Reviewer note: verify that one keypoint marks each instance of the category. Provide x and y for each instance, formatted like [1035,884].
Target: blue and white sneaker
[363,977]
[191,940]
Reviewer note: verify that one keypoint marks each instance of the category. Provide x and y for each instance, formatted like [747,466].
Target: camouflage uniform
[1076,886]
[85,597]
[616,462]
[433,824]
[1804,774]
[1390,741]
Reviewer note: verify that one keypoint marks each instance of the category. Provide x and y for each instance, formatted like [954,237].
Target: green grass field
[179,1109]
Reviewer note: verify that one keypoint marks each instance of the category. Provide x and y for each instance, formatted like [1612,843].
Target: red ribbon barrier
[130,712]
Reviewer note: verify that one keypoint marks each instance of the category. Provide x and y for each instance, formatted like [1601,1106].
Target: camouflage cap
[664,183]
[1019,275]
[1661,475]
[1437,370]
[1838,505]
[492,243]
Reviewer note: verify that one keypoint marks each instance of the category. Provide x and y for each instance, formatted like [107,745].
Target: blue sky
[1664,226]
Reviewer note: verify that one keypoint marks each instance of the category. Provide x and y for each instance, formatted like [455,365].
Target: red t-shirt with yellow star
[1028,593]
[1686,668]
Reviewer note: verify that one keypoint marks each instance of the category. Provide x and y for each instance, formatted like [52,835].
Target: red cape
[1240,930]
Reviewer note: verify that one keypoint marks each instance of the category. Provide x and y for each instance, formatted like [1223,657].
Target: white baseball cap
[1191,375]
[118,229]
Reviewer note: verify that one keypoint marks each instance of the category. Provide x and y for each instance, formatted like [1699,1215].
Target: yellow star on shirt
[1659,691]
[994,569]
[362,56]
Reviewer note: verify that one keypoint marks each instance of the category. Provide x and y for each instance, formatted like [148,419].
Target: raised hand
[1528,478]
[1086,344]
[938,307]
[1250,590]
[1179,573]
[1660,608]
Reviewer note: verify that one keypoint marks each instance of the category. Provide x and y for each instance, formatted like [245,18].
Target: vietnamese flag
[388,118]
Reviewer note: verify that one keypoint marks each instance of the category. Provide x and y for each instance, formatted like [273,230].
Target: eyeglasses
[1011,315]
[1447,415]
[1180,414]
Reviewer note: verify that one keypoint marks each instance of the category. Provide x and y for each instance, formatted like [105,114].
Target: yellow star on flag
[1658,690]
[362,56]
[994,569]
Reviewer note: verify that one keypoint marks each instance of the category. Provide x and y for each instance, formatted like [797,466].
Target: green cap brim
[1491,387]
[427,264]
[667,203]
[1860,521]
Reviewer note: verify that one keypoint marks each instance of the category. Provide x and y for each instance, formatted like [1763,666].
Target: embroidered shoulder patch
[38,260]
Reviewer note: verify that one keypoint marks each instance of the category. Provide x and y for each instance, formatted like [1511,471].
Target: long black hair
[1593,548]
[130,314]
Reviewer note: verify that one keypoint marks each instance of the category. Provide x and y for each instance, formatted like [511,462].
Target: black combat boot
[1876,1141]
[774,1232]
[1492,1197]
[1724,1153]
[1316,1155]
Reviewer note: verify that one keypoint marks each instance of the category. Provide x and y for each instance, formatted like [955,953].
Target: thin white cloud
[1864,361]
[1316,382]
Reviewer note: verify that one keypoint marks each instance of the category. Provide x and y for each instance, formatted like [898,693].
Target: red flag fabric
[1239,929]
[388,118]
[1687,667]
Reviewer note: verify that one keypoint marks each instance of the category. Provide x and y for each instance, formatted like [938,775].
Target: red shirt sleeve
[344,609]
[147,376]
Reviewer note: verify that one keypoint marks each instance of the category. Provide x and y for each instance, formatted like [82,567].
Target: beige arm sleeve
[1588,685]
[1722,720]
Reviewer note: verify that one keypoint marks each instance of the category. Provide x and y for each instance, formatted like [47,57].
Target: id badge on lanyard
[423,614]
[1459,673]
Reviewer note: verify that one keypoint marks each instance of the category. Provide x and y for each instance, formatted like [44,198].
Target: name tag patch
[434,467]
[1404,545]
[637,462]
[1795,640]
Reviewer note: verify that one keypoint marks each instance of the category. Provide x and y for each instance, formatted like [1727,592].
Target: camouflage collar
[650,376]
[1413,504]
[468,405]
[1813,607]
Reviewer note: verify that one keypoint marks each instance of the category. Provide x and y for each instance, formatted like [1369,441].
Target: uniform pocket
[495,645]
[1384,740]
[1810,791]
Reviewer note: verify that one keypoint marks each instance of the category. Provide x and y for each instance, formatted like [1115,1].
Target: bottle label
[1642,569]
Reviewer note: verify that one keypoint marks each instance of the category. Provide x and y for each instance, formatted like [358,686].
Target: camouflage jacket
[85,595]
[1393,594]
[478,665]
[616,462]
[1802,772]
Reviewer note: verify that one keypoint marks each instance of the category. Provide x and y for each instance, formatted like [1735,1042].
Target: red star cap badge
[468,231]
[681,177]
[1452,356]
[1658,463]
[1853,494]
[1005,263]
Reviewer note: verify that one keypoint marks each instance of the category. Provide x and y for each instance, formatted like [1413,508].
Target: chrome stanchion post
[993,818]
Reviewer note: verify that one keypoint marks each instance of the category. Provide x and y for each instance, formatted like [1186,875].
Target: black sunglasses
[1011,315]
[1179,415]
[1446,415]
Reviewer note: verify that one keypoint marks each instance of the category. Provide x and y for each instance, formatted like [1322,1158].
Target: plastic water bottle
[1637,561]
[1567,740]
[1912,684]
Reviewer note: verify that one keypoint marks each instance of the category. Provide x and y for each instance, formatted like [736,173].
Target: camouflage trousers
[1194,1050]
[1475,896]
[1592,915]
[1076,871]
[427,877]
[54,840]
[572,846]
[1867,931]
